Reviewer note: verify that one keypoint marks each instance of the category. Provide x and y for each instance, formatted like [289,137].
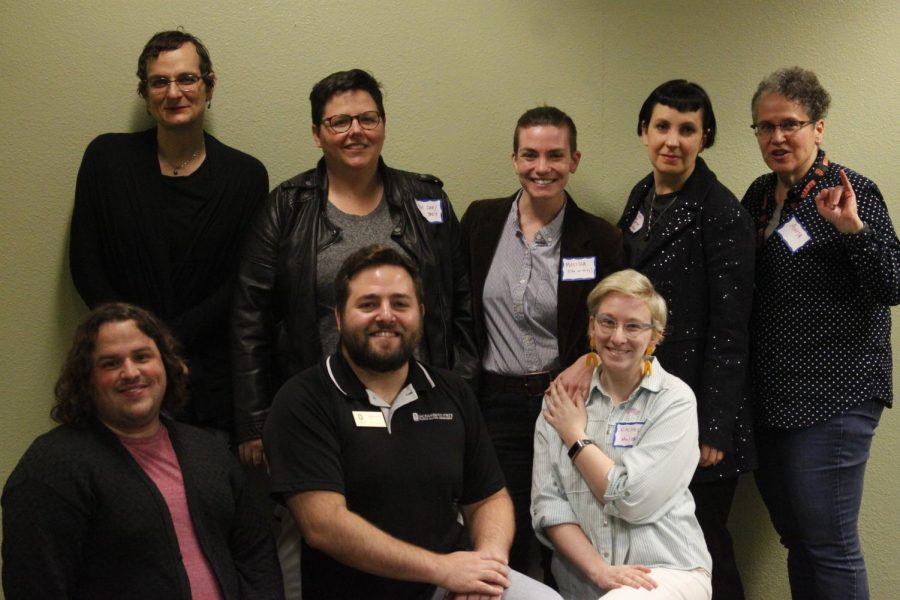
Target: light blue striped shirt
[647,516]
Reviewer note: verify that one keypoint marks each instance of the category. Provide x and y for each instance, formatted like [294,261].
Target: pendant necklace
[659,216]
[184,164]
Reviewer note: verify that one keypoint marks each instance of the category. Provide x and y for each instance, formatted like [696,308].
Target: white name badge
[368,418]
[431,210]
[626,434]
[794,234]
[637,223]
[579,269]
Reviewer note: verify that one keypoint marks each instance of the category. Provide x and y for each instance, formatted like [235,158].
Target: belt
[533,384]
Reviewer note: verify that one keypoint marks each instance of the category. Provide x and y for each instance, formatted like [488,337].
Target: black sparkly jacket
[701,260]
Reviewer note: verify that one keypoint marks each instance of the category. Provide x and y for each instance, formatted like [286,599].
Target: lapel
[682,216]
[485,236]
[570,295]
[146,203]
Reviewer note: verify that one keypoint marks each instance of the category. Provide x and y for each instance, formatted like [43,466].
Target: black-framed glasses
[341,123]
[186,82]
[787,127]
[631,329]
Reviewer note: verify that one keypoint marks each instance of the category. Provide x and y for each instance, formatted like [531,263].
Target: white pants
[672,584]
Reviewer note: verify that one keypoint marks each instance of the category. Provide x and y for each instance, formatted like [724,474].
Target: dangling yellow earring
[648,364]
[592,359]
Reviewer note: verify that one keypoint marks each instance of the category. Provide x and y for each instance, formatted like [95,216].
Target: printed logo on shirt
[579,269]
[432,416]
[626,433]
[794,234]
[431,209]
[637,223]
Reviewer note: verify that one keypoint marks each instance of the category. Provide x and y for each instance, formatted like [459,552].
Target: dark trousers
[510,419]
[811,480]
[713,500]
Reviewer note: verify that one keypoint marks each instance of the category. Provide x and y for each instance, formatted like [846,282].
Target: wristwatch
[578,446]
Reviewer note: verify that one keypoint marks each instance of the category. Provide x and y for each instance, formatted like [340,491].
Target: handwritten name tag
[794,234]
[579,269]
[625,434]
[431,210]
[637,223]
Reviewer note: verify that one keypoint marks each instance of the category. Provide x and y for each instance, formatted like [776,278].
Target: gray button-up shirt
[520,299]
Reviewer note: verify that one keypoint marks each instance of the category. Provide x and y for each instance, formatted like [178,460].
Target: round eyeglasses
[765,129]
[341,123]
[631,329]
[186,82]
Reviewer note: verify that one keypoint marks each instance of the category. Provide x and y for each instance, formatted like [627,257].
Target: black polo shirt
[406,468]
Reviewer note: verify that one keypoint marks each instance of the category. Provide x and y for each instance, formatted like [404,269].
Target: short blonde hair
[631,283]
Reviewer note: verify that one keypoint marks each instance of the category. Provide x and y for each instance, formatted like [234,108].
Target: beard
[367,356]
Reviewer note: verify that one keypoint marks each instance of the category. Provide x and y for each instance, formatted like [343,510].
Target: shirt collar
[345,380]
[652,382]
[549,233]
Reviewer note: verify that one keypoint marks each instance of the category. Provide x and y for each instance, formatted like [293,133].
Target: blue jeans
[811,481]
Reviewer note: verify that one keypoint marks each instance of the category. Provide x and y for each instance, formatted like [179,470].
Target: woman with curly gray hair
[827,268]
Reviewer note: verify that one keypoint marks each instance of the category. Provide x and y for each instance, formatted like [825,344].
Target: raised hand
[837,205]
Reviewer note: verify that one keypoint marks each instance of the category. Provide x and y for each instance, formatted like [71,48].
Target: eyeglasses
[341,123]
[632,329]
[186,82]
[787,127]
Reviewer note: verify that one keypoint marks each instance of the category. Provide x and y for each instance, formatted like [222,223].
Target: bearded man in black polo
[376,455]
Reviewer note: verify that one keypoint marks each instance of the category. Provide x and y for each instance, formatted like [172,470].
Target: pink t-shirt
[157,457]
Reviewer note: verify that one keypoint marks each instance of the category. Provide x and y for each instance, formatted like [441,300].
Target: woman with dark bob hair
[827,268]
[159,217]
[689,235]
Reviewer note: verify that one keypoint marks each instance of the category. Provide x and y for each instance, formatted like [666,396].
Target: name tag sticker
[794,234]
[637,223]
[368,418]
[431,210]
[625,434]
[579,269]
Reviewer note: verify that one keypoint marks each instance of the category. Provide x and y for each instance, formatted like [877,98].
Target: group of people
[439,402]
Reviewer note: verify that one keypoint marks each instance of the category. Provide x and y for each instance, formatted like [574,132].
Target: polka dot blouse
[820,331]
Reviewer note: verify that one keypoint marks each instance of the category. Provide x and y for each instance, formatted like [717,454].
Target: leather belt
[533,384]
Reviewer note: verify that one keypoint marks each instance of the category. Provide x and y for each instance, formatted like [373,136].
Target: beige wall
[456,76]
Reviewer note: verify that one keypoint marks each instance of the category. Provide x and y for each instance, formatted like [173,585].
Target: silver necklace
[660,216]
[178,167]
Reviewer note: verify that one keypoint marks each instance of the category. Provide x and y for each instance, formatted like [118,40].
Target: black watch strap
[578,446]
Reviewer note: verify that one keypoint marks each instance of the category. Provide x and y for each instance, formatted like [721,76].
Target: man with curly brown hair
[120,501]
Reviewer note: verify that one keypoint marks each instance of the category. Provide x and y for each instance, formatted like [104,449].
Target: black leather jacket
[274,328]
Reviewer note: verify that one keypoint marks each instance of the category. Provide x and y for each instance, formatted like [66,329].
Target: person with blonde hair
[611,470]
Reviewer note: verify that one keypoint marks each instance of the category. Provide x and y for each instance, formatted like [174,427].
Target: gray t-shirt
[357,231]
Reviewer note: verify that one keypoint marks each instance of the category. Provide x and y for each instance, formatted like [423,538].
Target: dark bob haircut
[375,255]
[166,41]
[683,96]
[344,81]
[546,115]
[75,388]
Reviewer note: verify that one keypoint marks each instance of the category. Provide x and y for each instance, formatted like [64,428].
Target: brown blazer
[583,234]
